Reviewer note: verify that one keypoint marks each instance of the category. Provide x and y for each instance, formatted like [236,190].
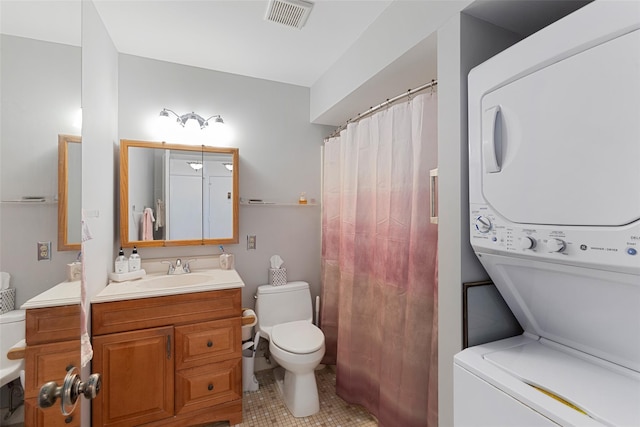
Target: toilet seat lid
[300,337]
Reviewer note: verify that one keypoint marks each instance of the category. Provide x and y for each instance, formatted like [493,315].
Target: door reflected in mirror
[177,195]
[69,192]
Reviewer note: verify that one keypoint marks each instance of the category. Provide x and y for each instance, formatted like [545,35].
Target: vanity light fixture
[183,119]
[229,166]
[196,166]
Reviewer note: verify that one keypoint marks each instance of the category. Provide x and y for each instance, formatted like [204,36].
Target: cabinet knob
[209,343]
[69,419]
[210,387]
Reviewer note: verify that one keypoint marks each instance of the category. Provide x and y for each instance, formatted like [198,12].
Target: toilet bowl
[12,333]
[294,343]
[298,347]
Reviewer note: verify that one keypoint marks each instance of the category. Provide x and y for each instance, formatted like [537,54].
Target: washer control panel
[614,247]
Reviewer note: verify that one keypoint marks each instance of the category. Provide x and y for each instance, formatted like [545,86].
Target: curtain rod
[372,110]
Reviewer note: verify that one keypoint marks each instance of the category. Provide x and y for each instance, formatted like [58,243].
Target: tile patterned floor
[265,408]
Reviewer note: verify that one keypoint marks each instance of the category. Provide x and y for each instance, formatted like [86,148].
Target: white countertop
[140,288]
[65,293]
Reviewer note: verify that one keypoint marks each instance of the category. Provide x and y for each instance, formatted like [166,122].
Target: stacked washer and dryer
[554,145]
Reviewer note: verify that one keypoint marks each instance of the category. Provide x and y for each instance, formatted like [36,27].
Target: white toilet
[12,333]
[285,318]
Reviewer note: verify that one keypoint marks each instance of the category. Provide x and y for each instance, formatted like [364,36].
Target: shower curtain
[379,277]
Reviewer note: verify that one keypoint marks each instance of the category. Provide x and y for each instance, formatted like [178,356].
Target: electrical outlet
[251,242]
[44,251]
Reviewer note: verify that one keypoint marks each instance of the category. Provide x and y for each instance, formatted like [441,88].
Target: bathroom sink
[159,283]
[174,281]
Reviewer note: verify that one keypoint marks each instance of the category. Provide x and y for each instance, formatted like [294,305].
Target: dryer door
[561,146]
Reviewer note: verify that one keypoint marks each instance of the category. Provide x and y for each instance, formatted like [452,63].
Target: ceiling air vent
[292,13]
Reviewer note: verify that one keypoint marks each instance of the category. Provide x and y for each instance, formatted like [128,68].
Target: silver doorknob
[71,389]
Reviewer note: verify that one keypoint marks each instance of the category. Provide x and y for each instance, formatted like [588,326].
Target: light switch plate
[251,242]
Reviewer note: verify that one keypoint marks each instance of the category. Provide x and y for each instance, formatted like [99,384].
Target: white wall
[279,157]
[345,89]
[463,43]
[99,139]
[99,133]
[40,88]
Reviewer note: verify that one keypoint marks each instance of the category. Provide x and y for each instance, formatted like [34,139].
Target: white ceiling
[232,36]
[224,35]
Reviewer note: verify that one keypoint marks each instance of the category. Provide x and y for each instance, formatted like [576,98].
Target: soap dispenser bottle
[134,260]
[121,264]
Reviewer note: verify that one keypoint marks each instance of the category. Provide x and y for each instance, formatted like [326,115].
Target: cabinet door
[137,374]
[50,417]
[48,362]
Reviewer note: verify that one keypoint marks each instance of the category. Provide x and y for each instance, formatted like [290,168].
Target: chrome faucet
[179,267]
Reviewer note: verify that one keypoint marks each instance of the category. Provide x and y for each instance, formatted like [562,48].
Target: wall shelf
[279,204]
[25,202]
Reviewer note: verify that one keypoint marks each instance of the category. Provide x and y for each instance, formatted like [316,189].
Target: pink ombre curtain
[379,314]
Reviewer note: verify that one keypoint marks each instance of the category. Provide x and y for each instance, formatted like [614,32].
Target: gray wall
[40,88]
[280,157]
[463,43]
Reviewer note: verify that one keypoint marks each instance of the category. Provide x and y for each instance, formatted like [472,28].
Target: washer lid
[590,310]
[602,391]
[300,337]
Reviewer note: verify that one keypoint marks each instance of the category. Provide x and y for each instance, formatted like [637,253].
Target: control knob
[483,224]
[556,245]
[527,242]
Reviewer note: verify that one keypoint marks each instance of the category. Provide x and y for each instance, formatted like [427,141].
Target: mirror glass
[177,195]
[69,192]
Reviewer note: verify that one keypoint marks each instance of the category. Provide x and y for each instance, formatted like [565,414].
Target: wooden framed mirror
[177,195]
[69,192]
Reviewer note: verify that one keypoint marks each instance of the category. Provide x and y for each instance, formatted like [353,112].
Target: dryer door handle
[491,139]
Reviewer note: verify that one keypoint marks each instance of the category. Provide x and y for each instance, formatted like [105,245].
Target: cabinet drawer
[208,342]
[208,385]
[51,324]
[130,315]
[50,417]
[48,362]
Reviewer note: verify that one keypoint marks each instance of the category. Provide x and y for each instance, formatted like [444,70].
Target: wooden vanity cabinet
[170,360]
[53,347]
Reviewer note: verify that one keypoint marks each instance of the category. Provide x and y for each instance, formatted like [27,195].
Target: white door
[220,207]
[185,209]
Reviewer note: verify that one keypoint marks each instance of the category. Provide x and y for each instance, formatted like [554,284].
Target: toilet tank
[284,303]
